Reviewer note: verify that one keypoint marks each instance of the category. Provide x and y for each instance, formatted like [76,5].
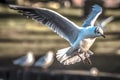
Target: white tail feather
[76,59]
[61,54]
[65,59]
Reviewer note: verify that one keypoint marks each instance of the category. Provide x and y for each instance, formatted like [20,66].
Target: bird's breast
[86,44]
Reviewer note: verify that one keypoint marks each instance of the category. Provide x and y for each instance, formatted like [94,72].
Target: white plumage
[45,61]
[26,60]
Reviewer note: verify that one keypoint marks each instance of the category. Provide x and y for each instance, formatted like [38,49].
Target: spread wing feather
[90,21]
[59,24]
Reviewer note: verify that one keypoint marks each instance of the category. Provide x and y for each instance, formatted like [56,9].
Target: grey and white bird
[45,61]
[80,38]
[25,61]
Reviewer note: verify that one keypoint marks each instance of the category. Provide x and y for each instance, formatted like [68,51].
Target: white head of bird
[50,54]
[30,55]
[92,32]
[99,32]
[99,28]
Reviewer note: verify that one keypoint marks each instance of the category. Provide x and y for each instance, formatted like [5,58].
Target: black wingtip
[12,6]
[18,7]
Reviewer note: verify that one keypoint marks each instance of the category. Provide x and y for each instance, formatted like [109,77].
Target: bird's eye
[98,32]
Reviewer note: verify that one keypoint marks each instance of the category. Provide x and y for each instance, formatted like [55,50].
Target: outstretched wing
[104,22]
[59,24]
[90,21]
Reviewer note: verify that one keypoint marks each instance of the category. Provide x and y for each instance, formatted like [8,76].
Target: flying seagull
[45,61]
[25,61]
[80,38]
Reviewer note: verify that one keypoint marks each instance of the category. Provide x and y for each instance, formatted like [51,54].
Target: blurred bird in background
[45,61]
[80,38]
[25,61]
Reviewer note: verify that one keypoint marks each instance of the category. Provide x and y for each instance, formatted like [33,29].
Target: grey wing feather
[106,21]
[90,21]
[59,24]
[20,61]
[41,61]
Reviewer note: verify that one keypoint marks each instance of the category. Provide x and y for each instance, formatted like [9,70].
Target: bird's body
[80,38]
[82,44]
[45,61]
[87,43]
[26,60]
[86,39]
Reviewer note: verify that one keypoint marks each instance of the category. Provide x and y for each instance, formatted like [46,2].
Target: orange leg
[80,56]
[88,59]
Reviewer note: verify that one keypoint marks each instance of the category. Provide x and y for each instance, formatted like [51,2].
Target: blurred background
[19,35]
